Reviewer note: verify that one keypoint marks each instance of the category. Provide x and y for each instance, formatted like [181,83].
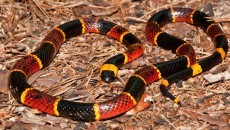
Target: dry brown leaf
[211,78]
[61,88]
[53,119]
[125,72]
[100,3]
[81,126]
[49,81]
[135,64]
[141,105]
[206,118]
[105,11]
[4,74]
[211,120]
[80,11]
[226,118]
[129,127]
[225,127]
[30,118]
[92,127]
[216,107]
[191,114]
[3,114]
[219,68]
[206,8]
[33,77]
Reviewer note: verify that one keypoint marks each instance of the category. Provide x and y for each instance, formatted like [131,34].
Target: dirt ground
[73,74]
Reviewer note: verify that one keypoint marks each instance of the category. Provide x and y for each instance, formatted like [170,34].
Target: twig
[41,9]
[169,122]
[221,19]
[135,19]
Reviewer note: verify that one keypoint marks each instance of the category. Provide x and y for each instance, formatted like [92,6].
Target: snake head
[108,73]
[108,76]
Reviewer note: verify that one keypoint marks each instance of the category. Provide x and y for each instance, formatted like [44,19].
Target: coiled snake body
[183,67]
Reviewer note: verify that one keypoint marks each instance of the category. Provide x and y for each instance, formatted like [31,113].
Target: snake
[181,68]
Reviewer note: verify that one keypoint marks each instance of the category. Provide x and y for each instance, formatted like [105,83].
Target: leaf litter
[73,74]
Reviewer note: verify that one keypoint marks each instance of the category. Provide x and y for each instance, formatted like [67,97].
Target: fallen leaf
[191,114]
[141,105]
[212,120]
[4,75]
[48,81]
[3,114]
[205,117]
[34,76]
[207,8]
[211,78]
[100,3]
[92,127]
[226,118]
[30,118]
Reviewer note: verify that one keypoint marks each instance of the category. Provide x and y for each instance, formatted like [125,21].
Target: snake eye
[107,76]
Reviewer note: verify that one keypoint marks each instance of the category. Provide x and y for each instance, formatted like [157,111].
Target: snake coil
[183,67]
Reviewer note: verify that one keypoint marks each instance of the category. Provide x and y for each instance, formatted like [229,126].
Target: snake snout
[107,76]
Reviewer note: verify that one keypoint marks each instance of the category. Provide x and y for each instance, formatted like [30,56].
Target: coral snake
[181,68]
